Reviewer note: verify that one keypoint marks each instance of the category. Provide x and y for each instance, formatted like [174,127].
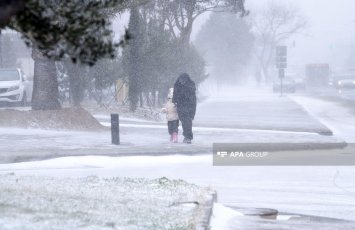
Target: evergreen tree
[77,29]
[133,58]
[155,59]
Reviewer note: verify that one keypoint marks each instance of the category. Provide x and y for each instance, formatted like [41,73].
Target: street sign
[281,57]
[281,51]
[281,64]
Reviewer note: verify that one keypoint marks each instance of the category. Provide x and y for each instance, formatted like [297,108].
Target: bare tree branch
[274,25]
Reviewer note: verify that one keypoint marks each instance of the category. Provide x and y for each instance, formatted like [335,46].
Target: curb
[326,131]
[204,223]
[264,213]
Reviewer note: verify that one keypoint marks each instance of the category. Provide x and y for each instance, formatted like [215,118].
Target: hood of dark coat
[185,81]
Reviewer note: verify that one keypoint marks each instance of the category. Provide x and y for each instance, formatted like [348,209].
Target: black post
[115,129]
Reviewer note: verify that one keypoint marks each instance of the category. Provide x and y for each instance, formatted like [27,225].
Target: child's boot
[175,137]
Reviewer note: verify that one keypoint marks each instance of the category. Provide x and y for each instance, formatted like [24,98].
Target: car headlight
[13,88]
[339,82]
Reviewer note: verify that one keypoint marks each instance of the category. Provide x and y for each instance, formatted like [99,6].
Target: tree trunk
[141,100]
[1,61]
[186,35]
[45,83]
[134,71]
[75,89]
[76,86]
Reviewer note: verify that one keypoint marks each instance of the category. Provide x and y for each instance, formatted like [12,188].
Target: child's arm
[163,110]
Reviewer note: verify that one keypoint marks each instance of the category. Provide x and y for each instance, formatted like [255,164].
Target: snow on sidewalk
[242,109]
[260,111]
[337,117]
[34,144]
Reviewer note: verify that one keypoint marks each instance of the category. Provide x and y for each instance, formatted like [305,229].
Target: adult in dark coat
[185,99]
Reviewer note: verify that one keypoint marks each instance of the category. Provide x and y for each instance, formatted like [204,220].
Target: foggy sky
[329,35]
[327,39]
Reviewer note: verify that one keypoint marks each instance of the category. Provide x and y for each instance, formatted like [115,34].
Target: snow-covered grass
[42,202]
[320,191]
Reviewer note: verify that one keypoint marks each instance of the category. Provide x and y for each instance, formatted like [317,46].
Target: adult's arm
[194,104]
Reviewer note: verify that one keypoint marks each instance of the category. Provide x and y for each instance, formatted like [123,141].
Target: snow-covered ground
[260,111]
[339,119]
[241,109]
[30,202]
[139,137]
[319,191]
[31,144]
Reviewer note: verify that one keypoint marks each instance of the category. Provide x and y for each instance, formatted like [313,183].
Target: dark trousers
[186,122]
[173,126]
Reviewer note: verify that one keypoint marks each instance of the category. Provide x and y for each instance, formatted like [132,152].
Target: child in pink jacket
[172,117]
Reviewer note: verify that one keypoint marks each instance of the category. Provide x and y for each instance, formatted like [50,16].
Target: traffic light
[281,57]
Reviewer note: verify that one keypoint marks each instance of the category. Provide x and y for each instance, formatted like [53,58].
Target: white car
[14,88]
[346,89]
[346,84]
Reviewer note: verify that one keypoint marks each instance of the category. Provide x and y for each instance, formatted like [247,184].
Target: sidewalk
[31,144]
[262,119]
[337,115]
[262,111]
